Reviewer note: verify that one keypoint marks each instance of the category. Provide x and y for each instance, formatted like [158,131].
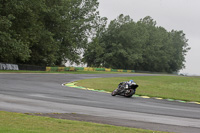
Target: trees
[12,47]
[141,45]
[118,44]
[93,52]
[45,32]
[156,48]
[71,23]
[180,48]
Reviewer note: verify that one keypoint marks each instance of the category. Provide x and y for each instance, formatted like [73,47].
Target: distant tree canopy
[45,32]
[141,45]
[50,32]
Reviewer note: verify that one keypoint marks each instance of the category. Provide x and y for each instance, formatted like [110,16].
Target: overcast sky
[170,14]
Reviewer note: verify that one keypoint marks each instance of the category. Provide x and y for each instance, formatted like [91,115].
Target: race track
[44,93]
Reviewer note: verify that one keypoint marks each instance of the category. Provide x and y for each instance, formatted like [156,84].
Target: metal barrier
[87,69]
[5,66]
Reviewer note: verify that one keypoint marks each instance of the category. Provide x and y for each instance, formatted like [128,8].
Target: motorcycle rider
[125,84]
[126,89]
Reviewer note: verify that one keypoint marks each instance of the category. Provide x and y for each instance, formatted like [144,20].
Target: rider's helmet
[131,81]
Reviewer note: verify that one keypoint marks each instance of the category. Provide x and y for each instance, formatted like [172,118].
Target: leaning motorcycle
[125,89]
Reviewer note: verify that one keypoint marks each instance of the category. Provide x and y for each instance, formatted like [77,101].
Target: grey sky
[170,14]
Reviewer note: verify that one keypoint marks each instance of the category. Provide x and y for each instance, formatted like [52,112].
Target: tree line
[45,32]
[50,32]
[138,45]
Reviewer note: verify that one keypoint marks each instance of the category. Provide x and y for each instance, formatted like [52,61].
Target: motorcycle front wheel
[129,93]
[114,93]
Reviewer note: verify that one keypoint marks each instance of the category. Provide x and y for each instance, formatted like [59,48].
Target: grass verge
[173,87]
[22,123]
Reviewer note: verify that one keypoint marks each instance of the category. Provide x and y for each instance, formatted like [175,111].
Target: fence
[7,66]
[31,67]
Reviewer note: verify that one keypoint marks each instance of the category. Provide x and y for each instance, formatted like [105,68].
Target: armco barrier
[72,69]
[67,68]
[108,70]
[120,70]
[91,69]
[129,71]
[99,69]
[114,70]
[79,68]
[60,69]
[132,71]
[48,68]
[87,69]
[54,68]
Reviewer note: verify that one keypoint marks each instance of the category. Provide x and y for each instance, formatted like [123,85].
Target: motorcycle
[125,89]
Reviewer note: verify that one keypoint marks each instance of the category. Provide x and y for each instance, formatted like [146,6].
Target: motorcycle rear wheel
[129,93]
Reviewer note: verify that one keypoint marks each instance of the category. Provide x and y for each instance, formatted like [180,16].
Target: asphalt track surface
[44,93]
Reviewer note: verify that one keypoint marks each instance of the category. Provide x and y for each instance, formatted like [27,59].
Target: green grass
[174,87]
[22,123]
[63,72]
